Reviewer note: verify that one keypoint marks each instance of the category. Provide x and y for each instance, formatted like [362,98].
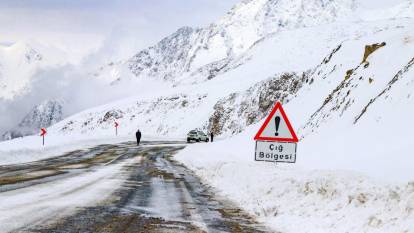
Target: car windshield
[193,132]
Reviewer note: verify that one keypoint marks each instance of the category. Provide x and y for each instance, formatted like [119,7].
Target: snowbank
[298,198]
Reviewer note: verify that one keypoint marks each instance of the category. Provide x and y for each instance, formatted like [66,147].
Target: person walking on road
[138,135]
[211,136]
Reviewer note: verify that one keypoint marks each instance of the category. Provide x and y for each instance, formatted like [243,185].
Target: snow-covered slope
[403,9]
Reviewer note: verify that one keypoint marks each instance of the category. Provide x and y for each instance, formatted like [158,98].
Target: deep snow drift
[293,199]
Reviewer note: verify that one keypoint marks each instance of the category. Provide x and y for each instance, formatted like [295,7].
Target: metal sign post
[116,128]
[43,133]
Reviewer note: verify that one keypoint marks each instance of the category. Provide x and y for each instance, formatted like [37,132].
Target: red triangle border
[292,132]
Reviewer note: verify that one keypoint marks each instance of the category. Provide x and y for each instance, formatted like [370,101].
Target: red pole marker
[43,133]
[116,128]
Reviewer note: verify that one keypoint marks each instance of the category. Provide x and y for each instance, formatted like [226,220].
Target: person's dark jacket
[138,135]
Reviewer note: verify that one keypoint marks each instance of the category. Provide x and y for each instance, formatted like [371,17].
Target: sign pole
[116,128]
[43,133]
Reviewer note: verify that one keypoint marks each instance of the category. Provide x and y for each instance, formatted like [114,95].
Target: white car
[196,135]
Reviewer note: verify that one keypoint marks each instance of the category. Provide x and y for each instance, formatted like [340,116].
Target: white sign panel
[277,127]
[283,152]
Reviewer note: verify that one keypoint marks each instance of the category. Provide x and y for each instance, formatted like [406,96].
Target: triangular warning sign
[277,127]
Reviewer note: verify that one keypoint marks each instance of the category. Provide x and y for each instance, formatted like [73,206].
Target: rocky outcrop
[369,49]
[167,58]
[233,113]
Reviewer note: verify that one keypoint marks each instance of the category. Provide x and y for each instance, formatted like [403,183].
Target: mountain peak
[189,49]
[42,115]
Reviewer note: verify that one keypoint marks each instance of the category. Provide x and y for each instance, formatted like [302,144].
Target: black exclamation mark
[277,122]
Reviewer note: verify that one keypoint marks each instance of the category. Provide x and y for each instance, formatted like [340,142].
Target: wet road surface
[153,194]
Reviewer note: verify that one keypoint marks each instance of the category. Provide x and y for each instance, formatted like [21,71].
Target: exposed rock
[369,49]
[233,113]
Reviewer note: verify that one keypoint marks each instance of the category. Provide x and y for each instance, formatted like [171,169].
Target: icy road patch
[53,200]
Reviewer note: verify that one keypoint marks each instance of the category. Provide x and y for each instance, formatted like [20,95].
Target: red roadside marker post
[43,132]
[276,140]
[116,128]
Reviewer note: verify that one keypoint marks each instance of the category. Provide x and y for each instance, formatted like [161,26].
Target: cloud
[81,26]
[66,83]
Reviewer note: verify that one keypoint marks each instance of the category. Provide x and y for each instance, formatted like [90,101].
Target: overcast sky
[80,25]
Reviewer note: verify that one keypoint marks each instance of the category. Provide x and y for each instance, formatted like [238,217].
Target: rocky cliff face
[167,58]
[235,112]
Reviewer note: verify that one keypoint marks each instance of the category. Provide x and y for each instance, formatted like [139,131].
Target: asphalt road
[114,188]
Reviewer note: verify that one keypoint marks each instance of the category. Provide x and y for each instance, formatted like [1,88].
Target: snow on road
[29,148]
[28,206]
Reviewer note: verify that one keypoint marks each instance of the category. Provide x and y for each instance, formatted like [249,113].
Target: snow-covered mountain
[274,68]
[198,54]
[206,51]
[328,68]
[20,61]
[41,116]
